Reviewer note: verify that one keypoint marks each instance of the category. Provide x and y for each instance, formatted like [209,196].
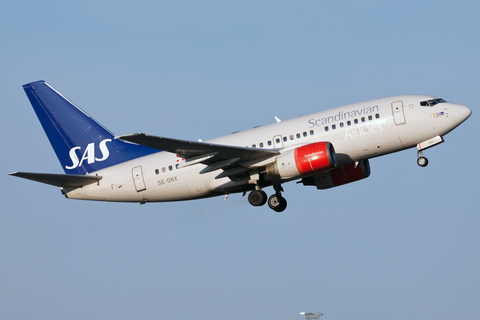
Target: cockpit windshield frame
[432,102]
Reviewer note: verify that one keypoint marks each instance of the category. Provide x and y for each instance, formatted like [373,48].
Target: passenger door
[398,114]
[138,179]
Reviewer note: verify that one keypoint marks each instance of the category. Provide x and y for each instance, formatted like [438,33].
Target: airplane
[325,149]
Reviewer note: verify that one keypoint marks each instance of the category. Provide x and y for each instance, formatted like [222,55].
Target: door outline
[398,112]
[138,181]
[276,145]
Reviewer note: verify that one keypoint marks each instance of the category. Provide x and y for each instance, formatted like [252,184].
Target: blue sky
[403,243]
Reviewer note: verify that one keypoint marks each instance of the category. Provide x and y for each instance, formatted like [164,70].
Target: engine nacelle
[339,176]
[303,161]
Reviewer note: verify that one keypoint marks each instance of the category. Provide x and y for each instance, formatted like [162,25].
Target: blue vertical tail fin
[82,144]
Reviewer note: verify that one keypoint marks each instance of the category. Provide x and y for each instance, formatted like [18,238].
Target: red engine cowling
[303,161]
[339,176]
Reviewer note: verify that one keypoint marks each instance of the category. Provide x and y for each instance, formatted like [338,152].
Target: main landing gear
[276,202]
[421,160]
[257,198]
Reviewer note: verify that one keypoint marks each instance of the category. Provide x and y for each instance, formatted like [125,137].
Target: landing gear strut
[421,160]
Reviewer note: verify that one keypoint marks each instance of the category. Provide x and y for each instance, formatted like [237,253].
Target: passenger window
[269,142]
[355,121]
[277,140]
[334,127]
[254,145]
[164,170]
[370,117]
[349,123]
[311,132]
[298,135]
[291,137]
[176,166]
[261,144]
[304,134]
[157,171]
[170,168]
[341,124]
[363,119]
[326,128]
[285,139]
[377,116]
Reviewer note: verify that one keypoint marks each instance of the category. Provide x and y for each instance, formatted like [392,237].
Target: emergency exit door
[277,142]
[138,179]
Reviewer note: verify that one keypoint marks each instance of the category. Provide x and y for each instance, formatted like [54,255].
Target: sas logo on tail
[88,154]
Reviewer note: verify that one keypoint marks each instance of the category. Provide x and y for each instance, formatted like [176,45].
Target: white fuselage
[357,131]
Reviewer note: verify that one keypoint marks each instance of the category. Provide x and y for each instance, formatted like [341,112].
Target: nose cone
[460,113]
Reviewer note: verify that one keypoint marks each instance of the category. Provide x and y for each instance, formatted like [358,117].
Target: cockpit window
[431,103]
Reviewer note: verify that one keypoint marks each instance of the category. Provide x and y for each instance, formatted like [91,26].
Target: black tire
[422,161]
[277,203]
[257,198]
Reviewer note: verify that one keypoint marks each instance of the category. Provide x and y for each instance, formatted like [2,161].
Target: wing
[59,180]
[216,156]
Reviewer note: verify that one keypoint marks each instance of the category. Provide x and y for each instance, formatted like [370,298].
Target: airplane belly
[366,148]
[91,192]
[425,123]
[368,141]
[182,184]
[197,188]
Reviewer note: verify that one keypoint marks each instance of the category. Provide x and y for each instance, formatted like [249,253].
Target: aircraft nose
[460,113]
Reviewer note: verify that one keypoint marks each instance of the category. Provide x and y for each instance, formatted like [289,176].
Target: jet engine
[349,173]
[303,161]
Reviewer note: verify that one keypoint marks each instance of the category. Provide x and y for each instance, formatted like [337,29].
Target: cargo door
[138,179]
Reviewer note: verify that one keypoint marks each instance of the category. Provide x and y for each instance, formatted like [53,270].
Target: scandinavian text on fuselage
[343,115]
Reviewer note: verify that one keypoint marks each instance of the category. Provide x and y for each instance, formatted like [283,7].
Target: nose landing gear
[421,160]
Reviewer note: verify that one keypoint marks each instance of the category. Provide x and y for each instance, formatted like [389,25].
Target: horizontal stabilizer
[187,149]
[59,180]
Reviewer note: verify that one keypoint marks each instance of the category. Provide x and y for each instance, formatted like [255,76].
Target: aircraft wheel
[257,198]
[277,203]
[422,161]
